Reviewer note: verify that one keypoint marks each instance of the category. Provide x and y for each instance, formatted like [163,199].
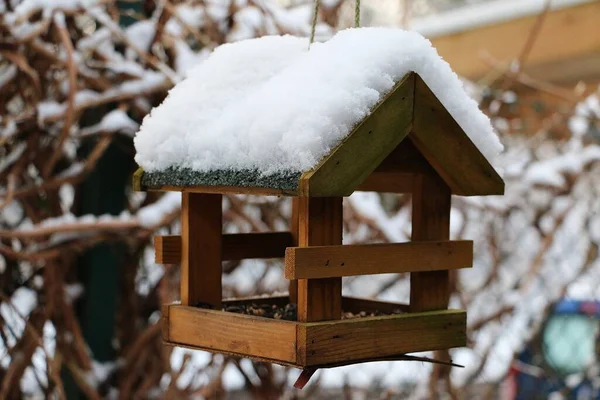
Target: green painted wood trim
[373,139]
[448,148]
[136,181]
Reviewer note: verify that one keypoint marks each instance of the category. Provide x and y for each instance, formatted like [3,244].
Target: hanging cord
[316,17]
[314,22]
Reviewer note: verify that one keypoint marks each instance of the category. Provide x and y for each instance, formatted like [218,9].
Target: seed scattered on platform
[288,312]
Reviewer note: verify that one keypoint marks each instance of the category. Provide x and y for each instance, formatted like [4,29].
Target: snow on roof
[483,14]
[273,106]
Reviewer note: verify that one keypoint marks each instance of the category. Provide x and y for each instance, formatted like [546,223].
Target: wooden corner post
[201,242]
[430,221]
[294,231]
[319,224]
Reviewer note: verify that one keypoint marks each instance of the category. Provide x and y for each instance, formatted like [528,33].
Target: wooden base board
[313,344]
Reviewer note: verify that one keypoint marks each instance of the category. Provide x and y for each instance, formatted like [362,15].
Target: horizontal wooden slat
[335,261]
[236,246]
[240,246]
[220,331]
[323,343]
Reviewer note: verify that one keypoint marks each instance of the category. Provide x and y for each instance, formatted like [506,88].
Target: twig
[98,226]
[59,23]
[531,38]
[56,183]
[10,192]
[21,62]
[205,40]
[55,375]
[150,59]
[307,373]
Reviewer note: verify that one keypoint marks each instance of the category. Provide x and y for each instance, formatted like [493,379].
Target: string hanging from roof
[316,15]
[314,22]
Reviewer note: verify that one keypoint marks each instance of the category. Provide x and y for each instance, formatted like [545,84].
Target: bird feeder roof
[269,116]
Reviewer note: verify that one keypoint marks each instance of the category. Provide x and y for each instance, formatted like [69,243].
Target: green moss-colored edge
[185,177]
[367,145]
[136,181]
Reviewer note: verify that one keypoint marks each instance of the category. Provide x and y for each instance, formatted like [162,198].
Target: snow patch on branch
[151,215]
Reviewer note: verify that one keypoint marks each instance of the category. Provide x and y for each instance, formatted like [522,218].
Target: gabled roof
[409,113]
[267,116]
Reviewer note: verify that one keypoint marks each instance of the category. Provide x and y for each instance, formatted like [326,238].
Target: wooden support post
[319,224]
[201,241]
[430,221]
[294,231]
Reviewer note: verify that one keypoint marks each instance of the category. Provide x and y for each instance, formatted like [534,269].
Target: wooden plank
[373,337]
[565,51]
[201,221]
[320,223]
[351,162]
[164,320]
[449,150]
[233,354]
[220,331]
[430,221]
[235,246]
[351,260]
[167,249]
[257,191]
[293,285]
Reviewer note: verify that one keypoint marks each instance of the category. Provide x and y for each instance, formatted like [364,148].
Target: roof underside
[410,110]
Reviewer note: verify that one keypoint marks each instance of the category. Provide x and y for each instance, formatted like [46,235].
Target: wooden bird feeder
[409,143]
